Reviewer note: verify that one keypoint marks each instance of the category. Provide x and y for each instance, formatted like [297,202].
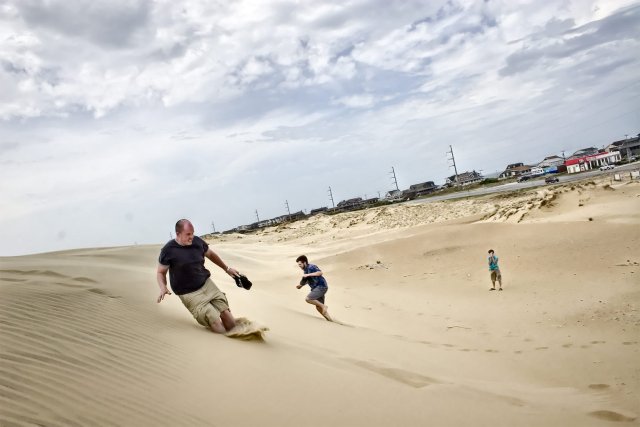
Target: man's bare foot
[325,313]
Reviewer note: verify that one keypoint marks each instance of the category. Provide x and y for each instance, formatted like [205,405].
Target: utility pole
[331,197]
[286,203]
[453,160]
[213,225]
[395,181]
[257,217]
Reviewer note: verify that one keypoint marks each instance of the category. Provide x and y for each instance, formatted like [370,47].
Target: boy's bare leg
[322,308]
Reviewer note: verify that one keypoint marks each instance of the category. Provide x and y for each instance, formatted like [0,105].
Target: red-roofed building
[593,161]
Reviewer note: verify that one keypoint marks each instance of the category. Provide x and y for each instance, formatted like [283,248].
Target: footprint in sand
[630,342]
[612,416]
[598,386]
[409,378]
[542,348]
[598,342]
[567,345]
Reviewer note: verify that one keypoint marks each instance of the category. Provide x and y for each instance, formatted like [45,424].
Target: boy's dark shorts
[318,293]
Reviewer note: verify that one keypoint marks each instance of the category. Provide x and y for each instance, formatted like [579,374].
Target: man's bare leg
[218,327]
[228,320]
[322,308]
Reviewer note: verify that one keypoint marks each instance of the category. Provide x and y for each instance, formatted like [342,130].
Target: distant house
[393,195]
[350,202]
[551,161]
[355,203]
[418,190]
[588,162]
[465,178]
[318,210]
[628,147]
[515,170]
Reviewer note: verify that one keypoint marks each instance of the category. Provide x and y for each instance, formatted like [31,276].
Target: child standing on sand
[495,271]
[313,277]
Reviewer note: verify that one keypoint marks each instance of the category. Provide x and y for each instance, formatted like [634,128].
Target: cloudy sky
[119,117]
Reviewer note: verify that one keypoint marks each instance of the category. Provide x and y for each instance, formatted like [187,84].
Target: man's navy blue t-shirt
[186,265]
[316,281]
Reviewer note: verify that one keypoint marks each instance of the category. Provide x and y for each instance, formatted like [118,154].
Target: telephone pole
[286,203]
[213,225]
[257,217]
[395,181]
[331,197]
[453,160]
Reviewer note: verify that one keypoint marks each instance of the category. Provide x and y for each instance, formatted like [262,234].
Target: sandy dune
[423,341]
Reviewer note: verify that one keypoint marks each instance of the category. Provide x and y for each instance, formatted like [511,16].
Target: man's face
[490,253]
[185,237]
[302,265]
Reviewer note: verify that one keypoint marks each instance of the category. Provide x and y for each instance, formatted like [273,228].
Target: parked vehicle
[524,178]
[606,167]
[551,180]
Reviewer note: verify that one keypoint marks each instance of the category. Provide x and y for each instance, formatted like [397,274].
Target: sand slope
[423,341]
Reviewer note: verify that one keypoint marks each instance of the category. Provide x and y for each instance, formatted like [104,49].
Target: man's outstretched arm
[161,278]
[215,258]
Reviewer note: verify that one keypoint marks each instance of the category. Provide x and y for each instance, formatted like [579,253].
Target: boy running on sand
[313,277]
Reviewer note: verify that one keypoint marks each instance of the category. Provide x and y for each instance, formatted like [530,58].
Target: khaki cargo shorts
[206,303]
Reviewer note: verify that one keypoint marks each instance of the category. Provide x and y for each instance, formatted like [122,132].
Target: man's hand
[232,272]
[163,292]
[298,286]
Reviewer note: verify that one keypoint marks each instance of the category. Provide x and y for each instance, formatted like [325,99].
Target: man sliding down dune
[183,258]
[313,277]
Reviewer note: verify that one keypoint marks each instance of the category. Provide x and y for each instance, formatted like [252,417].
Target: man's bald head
[182,224]
[184,232]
